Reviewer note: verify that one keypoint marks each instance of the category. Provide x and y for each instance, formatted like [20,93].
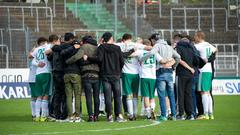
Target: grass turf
[15,118]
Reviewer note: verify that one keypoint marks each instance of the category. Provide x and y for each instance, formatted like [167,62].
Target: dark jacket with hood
[185,50]
[56,59]
[111,61]
[89,70]
[68,50]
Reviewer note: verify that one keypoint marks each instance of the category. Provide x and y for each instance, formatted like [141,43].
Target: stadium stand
[20,35]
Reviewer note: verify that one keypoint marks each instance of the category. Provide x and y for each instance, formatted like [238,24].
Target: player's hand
[76,46]
[41,64]
[192,70]
[163,61]
[206,60]
[85,57]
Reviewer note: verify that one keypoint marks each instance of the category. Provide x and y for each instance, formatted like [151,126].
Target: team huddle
[180,71]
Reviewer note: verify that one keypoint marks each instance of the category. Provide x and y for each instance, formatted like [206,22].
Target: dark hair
[68,36]
[41,40]
[155,36]
[187,37]
[106,36]
[53,38]
[126,36]
[169,42]
[179,36]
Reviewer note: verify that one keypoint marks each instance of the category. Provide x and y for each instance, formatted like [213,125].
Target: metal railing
[164,31]
[227,49]
[46,5]
[7,34]
[23,15]
[226,64]
[96,31]
[1,34]
[7,54]
[199,16]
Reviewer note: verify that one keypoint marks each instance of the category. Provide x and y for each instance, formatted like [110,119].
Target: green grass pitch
[15,119]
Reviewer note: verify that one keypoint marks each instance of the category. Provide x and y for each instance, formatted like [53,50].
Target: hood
[91,41]
[110,48]
[184,44]
[160,41]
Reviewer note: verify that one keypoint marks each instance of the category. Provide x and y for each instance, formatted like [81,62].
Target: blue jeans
[165,86]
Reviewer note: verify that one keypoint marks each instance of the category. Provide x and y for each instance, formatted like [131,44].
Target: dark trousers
[194,91]
[185,101]
[124,102]
[199,103]
[92,89]
[112,87]
[59,96]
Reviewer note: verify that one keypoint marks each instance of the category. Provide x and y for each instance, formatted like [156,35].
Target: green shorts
[33,89]
[42,85]
[130,83]
[205,81]
[148,87]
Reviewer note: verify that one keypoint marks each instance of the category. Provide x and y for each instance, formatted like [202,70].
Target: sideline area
[15,118]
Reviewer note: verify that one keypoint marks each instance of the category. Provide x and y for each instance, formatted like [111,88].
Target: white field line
[93,130]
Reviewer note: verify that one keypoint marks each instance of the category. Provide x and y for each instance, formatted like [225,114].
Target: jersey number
[150,60]
[40,54]
[208,52]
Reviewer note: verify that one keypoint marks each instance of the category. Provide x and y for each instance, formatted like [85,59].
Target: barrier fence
[198,16]
[23,8]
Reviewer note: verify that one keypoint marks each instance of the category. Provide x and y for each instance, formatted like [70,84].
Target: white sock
[73,104]
[135,106]
[152,105]
[148,111]
[210,105]
[102,104]
[44,108]
[143,108]
[38,107]
[33,107]
[205,103]
[130,106]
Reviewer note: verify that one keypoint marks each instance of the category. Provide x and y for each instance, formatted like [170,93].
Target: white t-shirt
[148,66]
[205,49]
[39,54]
[32,71]
[131,64]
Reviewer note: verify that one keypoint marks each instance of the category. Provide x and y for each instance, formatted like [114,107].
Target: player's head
[107,37]
[126,37]
[186,38]
[154,38]
[54,39]
[176,39]
[147,42]
[68,37]
[139,40]
[199,36]
[41,41]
